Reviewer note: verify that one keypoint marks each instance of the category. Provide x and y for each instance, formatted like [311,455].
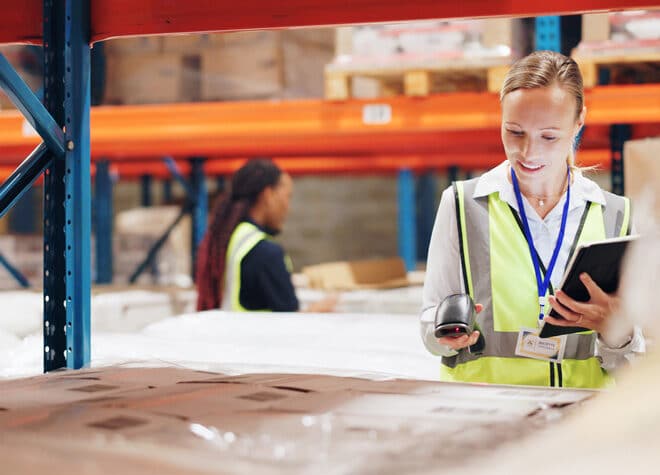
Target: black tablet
[602,260]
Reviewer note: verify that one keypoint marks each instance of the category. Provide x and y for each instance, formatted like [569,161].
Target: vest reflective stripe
[465,257]
[242,241]
[494,248]
[617,220]
[525,371]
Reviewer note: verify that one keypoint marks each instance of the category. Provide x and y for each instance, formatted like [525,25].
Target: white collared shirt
[444,275]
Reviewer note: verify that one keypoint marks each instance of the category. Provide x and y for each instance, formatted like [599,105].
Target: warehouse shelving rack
[315,137]
[67,28]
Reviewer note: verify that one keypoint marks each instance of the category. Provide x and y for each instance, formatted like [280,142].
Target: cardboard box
[595,27]
[353,275]
[305,54]
[149,79]
[622,27]
[641,169]
[245,66]
[140,45]
[177,420]
[431,37]
[191,43]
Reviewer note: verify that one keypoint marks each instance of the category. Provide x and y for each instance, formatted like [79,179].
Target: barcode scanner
[456,316]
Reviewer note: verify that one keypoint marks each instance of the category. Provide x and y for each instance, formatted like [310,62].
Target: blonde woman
[505,239]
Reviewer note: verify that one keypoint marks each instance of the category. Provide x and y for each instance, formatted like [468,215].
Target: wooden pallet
[625,66]
[416,79]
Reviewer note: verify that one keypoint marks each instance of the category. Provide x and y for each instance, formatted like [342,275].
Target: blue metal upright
[426,208]
[67,188]
[28,103]
[619,134]
[548,33]
[167,191]
[103,228]
[23,177]
[199,200]
[407,228]
[145,190]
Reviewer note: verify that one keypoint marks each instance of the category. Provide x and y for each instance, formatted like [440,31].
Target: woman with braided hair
[239,267]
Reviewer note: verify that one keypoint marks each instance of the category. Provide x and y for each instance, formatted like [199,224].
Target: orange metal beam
[334,165]
[440,124]
[22,21]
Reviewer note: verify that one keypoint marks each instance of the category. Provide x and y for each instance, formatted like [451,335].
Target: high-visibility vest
[498,273]
[244,238]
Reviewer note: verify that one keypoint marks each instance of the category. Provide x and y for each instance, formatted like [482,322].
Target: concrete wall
[340,218]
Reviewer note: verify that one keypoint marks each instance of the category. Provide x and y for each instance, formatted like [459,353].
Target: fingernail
[583,275]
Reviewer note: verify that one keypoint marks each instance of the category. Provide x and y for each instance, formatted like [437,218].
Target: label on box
[377,114]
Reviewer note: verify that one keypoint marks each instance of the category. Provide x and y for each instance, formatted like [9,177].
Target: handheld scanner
[456,316]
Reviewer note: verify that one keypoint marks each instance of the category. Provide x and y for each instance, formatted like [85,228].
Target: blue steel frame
[548,33]
[67,187]
[35,113]
[103,223]
[199,200]
[65,158]
[78,223]
[619,133]
[149,260]
[426,209]
[407,227]
[145,190]
[167,191]
[15,273]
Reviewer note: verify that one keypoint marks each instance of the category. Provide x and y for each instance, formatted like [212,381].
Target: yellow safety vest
[244,238]
[498,273]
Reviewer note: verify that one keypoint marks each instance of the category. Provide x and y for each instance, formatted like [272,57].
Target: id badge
[530,345]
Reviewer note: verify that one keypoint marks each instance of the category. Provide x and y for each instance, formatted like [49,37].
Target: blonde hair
[545,69]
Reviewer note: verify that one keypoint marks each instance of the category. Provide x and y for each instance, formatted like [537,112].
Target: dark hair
[229,210]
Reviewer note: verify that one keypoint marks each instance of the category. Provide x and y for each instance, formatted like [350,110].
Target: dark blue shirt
[265,279]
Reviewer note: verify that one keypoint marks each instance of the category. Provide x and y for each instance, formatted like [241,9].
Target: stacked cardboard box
[216,67]
[245,65]
[136,231]
[417,58]
[356,275]
[621,27]
[140,72]
[626,44]
[174,420]
[305,53]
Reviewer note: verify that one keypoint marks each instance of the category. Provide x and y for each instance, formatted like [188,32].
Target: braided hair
[229,210]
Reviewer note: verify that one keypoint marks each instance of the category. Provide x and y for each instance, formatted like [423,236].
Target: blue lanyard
[542,284]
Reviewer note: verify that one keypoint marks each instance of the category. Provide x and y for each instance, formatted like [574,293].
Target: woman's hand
[458,342]
[325,305]
[593,314]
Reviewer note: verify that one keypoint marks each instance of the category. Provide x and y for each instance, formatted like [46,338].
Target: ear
[267,194]
[581,119]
